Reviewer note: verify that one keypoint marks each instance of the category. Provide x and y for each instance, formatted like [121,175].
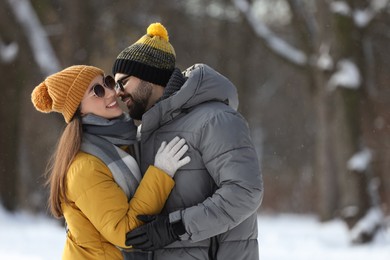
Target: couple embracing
[183,184]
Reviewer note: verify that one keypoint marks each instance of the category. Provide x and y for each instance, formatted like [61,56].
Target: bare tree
[17,178]
[332,48]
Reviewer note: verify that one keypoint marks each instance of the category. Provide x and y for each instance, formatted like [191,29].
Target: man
[211,212]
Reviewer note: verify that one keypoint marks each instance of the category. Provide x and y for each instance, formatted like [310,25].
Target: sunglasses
[99,90]
[119,83]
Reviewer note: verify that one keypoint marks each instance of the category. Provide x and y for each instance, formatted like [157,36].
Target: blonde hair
[66,150]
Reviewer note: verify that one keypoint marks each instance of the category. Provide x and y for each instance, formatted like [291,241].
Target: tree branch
[43,53]
[306,25]
[271,41]
[8,52]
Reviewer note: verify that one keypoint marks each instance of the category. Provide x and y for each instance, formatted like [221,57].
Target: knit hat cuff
[76,93]
[142,71]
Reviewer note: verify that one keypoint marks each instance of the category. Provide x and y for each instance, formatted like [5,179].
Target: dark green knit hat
[152,58]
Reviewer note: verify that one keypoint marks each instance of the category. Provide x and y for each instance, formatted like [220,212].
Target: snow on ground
[292,237]
[296,237]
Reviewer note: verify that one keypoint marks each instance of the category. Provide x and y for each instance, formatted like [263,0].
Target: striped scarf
[103,139]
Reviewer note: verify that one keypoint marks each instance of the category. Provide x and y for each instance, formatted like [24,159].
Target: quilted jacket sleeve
[106,206]
[231,160]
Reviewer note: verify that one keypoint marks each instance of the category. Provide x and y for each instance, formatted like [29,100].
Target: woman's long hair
[66,150]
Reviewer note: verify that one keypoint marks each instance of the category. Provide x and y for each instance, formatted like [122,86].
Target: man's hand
[155,234]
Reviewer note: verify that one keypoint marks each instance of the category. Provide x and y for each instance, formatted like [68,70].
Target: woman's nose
[111,92]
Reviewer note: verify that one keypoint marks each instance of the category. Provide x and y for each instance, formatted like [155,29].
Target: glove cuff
[178,228]
[175,218]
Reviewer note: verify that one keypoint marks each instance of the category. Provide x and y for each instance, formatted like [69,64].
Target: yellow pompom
[41,99]
[157,29]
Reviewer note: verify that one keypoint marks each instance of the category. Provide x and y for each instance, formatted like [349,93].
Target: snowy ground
[292,237]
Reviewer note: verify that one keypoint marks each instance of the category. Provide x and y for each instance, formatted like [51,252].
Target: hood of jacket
[203,84]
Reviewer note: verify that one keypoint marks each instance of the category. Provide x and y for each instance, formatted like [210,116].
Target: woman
[94,184]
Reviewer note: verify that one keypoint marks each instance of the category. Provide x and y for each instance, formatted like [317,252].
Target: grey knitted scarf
[174,84]
[103,138]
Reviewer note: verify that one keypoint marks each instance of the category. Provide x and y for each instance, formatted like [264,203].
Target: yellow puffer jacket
[99,215]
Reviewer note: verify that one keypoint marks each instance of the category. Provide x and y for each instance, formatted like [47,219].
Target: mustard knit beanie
[152,58]
[63,91]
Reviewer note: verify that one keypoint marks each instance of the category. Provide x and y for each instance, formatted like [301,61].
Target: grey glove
[168,157]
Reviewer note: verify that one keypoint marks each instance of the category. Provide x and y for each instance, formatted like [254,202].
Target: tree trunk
[324,166]
[9,114]
[346,126]
[9,111]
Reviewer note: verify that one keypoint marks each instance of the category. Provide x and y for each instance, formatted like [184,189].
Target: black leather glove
[155,234]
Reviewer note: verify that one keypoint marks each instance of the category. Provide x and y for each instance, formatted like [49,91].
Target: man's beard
[137,109]
[140,100]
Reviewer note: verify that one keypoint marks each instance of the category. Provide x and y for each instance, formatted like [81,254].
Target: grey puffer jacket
[218,193]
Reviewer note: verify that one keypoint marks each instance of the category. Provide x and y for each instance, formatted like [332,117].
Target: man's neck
[156,95]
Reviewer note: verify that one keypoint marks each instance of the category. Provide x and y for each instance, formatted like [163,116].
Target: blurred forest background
[313,81]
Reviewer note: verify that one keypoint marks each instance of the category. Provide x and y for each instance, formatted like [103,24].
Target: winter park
[193,128]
